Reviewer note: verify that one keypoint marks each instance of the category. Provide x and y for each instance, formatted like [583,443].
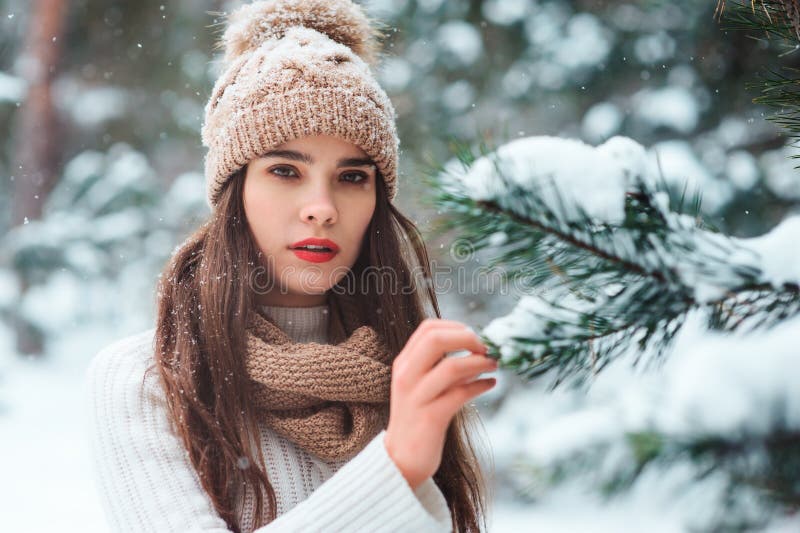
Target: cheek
[361,216]
[263,215]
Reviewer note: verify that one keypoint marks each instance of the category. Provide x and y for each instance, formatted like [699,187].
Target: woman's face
[315,187]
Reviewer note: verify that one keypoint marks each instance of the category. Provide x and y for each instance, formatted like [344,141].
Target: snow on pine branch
[721,418]
[607,257]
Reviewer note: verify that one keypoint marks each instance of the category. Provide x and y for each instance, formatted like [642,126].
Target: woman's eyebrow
[355,162]
[306,158]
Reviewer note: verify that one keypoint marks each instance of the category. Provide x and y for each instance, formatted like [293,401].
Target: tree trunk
[37,143]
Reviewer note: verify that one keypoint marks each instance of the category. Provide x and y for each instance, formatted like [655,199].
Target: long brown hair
[203,298]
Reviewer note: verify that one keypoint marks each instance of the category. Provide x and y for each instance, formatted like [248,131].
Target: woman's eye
[283,172]
[355,177]
[287,173]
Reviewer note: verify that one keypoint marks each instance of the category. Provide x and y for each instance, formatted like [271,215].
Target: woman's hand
[428,389]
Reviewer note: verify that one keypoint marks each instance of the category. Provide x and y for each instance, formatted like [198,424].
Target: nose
[320,210]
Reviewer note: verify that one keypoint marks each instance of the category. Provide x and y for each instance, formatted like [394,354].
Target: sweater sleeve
[369,493]
[146,481]
[143,474]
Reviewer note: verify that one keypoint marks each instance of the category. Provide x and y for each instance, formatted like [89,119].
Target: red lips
[317,242]
[315,255]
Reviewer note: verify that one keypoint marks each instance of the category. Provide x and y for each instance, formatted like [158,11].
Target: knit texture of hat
[296,68]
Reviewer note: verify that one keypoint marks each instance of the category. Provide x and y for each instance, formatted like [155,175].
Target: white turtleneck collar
[301,324]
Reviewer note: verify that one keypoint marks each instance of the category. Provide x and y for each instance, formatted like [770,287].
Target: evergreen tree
[614,271]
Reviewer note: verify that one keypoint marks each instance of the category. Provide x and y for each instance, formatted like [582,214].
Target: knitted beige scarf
[329,399]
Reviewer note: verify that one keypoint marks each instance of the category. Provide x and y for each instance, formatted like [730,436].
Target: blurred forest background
[101,105]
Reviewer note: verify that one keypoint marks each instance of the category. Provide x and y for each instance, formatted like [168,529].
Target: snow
[670,107]
[394,74]
[9,288]
[544,27]
[679,165]
[606,170]
[742,170]
[531,318]
[779,251]
[586,43]
[781,176]
[601,121]
[561,44]
[654,48]
[550,74]
[628,17]
[709,384]
[54,314]
[12,88]
[458,95]
[682,76]
[596,179]
[525,319]
[119,225]
[576,167]
[461,41]
[577,512]
[421,53]
[187,113]
[570,432]
[498,238]
[84,257]
[506,12]
[90,106]
[185,197]
[717,386]
[194,64]
[126,169]
[93,181]
[45,448]
[84,166]
[518,78]
[733,131]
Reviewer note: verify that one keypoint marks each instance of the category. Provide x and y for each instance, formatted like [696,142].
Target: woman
[285,386]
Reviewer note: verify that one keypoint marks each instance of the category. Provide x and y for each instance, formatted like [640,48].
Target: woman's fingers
[431,348]
[451,401]
[427,325]
[416,432]
[470,378]
[452,372]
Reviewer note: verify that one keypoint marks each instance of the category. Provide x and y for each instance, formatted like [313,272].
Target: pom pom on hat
[249,26]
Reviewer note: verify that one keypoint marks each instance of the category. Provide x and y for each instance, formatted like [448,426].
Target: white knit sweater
[146,482]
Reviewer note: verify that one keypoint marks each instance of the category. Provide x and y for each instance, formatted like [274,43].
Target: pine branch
[780,91]
[780,18]
[627,286]
[764,466]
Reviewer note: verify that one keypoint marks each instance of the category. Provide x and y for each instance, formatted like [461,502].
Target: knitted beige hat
[294,68]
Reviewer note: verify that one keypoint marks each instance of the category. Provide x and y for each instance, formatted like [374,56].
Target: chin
[310,288]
